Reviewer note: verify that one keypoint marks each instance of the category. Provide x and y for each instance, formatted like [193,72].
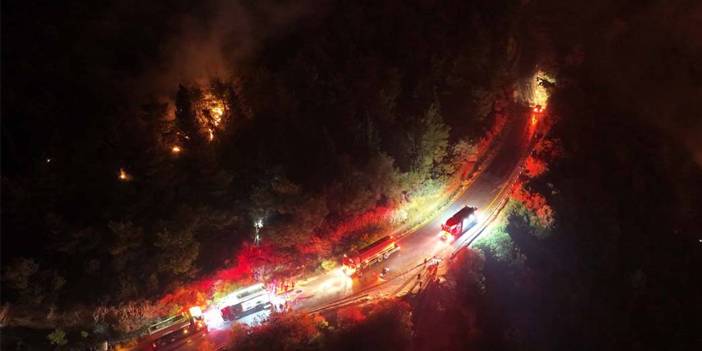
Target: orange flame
[123,176]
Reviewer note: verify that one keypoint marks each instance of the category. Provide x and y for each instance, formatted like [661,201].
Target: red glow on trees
[185,297]
[534,202]
[350,316]
[316,246]
[535,166]
[376,215]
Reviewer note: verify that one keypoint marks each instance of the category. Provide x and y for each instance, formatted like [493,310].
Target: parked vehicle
[375,252]
[177,336]
[459,223]
[175,330]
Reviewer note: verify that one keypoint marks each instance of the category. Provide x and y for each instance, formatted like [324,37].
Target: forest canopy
[135,183]
[147,146]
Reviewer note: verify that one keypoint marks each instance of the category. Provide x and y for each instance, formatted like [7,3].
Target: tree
[126,237]
[28,284]
[432,143]
[57,337]
[383,178]
[178,248]
[535,166]
[448,316]
[19,273]
[388,326]
[186,120]
[178,251]
[332,117]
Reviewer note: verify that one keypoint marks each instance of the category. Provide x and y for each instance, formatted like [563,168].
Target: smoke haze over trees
[141,141]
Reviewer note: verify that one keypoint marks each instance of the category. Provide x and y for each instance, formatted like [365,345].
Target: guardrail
[501,199]
[465,183]
[497,204]
[363,292]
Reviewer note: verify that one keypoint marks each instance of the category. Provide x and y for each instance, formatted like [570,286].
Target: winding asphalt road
[331,290]
[485,192]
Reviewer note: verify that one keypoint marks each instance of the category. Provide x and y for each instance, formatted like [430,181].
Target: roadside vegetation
[599,246]
[323,134]
[121,209]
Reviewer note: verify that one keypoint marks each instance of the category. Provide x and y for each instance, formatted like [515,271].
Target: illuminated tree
[57,337]
[432,142]
[335,122]
[535,166]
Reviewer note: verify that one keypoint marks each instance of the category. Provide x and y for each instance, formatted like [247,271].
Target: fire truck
[459,223]
[175,330]
[375,252]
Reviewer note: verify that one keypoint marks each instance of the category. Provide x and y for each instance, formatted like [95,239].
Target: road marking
[510,181]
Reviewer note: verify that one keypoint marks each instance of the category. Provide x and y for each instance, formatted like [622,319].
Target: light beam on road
[195,311]
[336,282]
[213,318]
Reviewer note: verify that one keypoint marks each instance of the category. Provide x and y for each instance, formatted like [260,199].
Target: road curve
[332,290]
[485,192]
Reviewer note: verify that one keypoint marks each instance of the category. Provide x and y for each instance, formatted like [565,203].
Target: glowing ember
[210,134]
[212,110]
[176,149]
[123,176]
[217,113]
